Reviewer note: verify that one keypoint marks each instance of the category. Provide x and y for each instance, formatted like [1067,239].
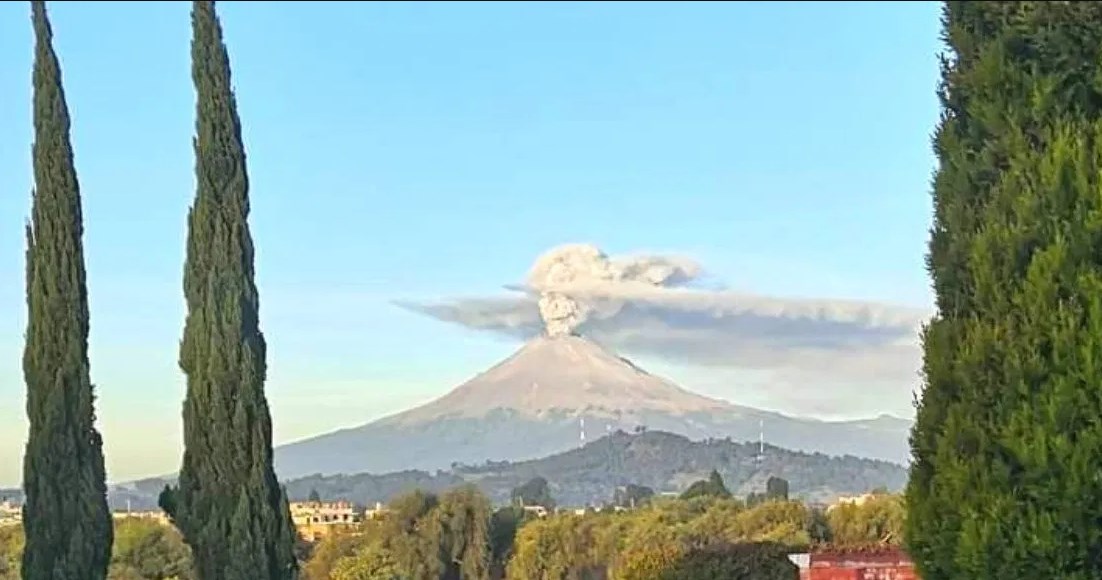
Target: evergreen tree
[711,487]
[1004,479]
[228,505]
[66,519]
[534,492]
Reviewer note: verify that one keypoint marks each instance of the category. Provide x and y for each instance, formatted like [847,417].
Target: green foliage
[143,550]
[332,550]
[818,527]
[148,550]
[503,531]
[534,492]
[776,489]
[658,541]
[66,519]
[562,547]
[422,536]
[879,520]
[11,552]
[1006,441]
[749,561]
[711,487]
[228,505]
[461,524]
[372,562]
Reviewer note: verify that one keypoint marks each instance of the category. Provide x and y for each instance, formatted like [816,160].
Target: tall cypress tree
[66,519]
[1008,435]
[228,505]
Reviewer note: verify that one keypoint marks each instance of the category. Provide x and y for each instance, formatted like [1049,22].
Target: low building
[11,513]
[536,510]
[315,520]
[880,563]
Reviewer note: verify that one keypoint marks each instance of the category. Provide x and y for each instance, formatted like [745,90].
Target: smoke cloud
[652,305]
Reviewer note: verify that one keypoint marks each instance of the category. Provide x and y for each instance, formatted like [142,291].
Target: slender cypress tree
[1008,436]
[229,505]
[66,519]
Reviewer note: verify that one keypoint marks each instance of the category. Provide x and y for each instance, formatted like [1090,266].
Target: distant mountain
[662,461]
[588,475]
[551,395]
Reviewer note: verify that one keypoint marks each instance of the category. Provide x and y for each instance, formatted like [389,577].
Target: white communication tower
[581,431]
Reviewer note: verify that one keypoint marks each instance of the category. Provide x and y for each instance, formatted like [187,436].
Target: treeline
[143,550]
[455,535]
[703,534]
[656,459]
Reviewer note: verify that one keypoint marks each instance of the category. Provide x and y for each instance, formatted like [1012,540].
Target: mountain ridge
[588,474]
[664,461]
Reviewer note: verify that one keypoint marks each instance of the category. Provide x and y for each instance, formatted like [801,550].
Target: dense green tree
[148,550]
[66,519]
[460,525]
[229,505]
[879,520]
[373,562]
[711,487]
[776,488]
[335,548]
[1004,479]
[504,524]
[749,561]
[534,492]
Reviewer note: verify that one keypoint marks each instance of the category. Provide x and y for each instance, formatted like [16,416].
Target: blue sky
[419,151]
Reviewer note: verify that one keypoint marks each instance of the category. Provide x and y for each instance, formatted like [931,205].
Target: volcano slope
[541,400]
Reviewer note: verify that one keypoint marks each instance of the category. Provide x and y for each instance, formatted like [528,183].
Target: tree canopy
[1006,440]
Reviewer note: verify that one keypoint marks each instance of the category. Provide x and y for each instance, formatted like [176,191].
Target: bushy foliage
[534,492]
[421,536]
[11,552]
[1004,480]
[657,541]
[749,561]
[879,520]
[142,550]
[711,487]
[66,519]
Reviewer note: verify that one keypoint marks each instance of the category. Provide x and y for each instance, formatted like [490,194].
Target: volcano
[567,374]
[551,395]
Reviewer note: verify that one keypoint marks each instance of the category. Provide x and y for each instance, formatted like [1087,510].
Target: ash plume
[573,269]
[654,305]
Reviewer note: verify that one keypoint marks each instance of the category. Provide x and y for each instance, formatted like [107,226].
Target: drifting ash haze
[540,400]
[650,305]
